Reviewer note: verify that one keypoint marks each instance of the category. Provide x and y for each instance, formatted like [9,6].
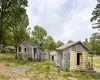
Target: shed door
[35,51]
[79,55]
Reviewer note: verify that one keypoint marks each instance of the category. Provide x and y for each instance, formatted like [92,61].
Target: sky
[63,19]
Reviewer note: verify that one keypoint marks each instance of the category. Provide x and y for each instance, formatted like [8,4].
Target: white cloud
[79,27]
[63,19]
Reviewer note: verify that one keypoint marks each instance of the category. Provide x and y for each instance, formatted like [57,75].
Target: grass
[96,61]
[2,77]
[87,76]
[10,60]
[45,70]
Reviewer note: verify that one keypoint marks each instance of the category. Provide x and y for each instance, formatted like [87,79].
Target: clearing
[15,69]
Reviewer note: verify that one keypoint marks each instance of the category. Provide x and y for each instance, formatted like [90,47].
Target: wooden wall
[29,53]
[73,61]
[84,60]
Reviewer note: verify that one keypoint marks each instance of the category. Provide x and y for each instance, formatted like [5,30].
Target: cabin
[73,56]
[52,55]
[46,53]
[11,49]
[27,49]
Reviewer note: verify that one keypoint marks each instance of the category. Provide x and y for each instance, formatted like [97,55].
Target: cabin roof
[70,45]
[10,47]
[30,42]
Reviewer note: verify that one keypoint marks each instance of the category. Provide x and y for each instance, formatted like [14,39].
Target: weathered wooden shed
[52,55]
[27,49]
[73,56]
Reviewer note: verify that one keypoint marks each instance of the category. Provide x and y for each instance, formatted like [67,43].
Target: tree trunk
[1,25]
[16,52]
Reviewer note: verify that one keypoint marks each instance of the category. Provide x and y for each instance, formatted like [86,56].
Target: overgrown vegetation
[2,77]
[45,70]
[96,62]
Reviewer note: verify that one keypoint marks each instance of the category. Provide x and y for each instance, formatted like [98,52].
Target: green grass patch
[96,61]
[10,60]
[44,66]
[48,68]
[2,77]
[87,76]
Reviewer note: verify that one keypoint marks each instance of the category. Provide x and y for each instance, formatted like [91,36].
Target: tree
[50,44]
[95,39]
[59,43]
[96,17]
[20,30]
[88,43]
[10,10]
[95,42]
[70,41]
[9,39]
[39,35]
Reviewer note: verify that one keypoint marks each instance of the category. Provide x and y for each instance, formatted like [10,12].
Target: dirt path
[2,55]
[20,69]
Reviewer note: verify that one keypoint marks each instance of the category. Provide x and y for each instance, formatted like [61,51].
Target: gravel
[20,69]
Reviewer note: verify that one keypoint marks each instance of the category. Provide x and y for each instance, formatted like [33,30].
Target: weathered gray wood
[29,51]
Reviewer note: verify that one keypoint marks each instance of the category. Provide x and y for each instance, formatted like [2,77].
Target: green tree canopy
[11,12]
[96,17]
[95,39]
[20,30]
[88,43]
[70,41]
[50,44]
[95,43]
[39,35]
[59,43]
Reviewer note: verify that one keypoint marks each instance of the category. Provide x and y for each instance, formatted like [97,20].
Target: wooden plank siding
[73,56]
[84,60]
[73,61]
[73,66]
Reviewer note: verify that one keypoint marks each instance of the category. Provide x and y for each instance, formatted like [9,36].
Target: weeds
[2,77]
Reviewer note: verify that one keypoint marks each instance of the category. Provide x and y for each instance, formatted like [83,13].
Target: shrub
[22,62]
[66,69]
[4,50]
[7,65]
[30,59]
[2,77]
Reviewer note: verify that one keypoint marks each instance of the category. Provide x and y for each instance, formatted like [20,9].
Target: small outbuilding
[10,49]
[73,56]
[27,49]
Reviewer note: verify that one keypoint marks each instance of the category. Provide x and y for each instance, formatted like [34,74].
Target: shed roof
[70,45]
[53,53]
[10,47]
[30,42]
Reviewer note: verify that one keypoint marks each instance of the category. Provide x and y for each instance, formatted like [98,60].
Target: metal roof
[70,45]
[10,47]
[65,46]
[30,42]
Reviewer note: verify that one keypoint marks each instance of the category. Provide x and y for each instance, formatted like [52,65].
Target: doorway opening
[79,58]
[52,58]
[35,51]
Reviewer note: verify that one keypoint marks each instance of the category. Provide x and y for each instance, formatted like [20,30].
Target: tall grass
[2,77]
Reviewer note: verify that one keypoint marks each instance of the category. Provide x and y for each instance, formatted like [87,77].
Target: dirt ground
[12,69]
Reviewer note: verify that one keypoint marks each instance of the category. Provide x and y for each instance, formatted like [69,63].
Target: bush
[7,65]
[66,69]
[23,62]
[2,77]
[4,50]
[30,59]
